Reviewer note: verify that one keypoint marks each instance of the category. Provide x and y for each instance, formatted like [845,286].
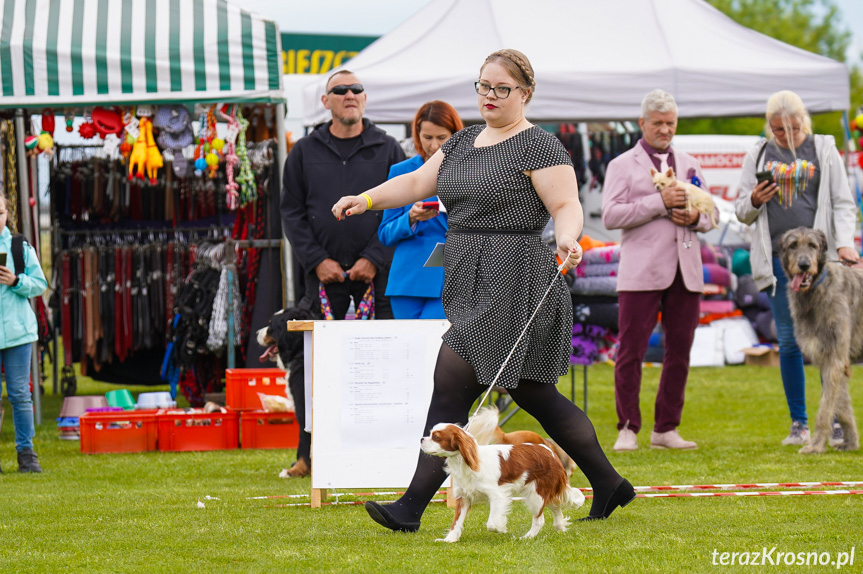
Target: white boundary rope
[650,495]
[648,489]
[744,493]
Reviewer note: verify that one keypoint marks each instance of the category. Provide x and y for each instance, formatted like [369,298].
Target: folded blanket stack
[597,272]
[593,285]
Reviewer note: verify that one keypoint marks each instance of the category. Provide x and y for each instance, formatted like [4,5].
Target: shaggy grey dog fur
[826,301]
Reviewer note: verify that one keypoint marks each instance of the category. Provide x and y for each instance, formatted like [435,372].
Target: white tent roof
[64,53]
[594,60]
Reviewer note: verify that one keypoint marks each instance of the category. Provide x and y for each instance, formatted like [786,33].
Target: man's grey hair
[658,101]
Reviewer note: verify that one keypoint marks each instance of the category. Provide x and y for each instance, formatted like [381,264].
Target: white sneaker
[799,434]
[626,440]
[670,439]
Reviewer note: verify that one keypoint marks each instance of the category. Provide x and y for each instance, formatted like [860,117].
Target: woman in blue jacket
[18,331]
[415,291]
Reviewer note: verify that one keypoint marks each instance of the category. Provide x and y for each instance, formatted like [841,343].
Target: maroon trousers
[638,311]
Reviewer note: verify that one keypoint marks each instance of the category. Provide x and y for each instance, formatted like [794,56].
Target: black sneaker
[28,461]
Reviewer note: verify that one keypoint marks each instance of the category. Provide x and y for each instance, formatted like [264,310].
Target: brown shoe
[300,469]
[670,439]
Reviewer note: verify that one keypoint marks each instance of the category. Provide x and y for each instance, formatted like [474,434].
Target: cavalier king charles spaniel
[497,473]
[483,427]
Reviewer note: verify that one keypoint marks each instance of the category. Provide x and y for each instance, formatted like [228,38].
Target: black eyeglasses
[343,89]
[501,92]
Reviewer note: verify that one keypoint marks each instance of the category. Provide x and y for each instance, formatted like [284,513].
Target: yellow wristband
[368,199]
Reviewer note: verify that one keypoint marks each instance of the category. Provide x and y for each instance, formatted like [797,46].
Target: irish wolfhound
[826,301]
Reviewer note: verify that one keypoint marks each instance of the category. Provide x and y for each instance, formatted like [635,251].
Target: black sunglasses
[342,89]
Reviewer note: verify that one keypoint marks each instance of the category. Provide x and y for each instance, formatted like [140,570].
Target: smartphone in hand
[431,205]
[765,176]
[2,260]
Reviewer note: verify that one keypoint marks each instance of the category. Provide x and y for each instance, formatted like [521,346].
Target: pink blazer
[651,246]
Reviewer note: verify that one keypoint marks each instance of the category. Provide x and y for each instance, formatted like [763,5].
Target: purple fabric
[638,312]
[586,341]
[597,270]
[716,274]
[651,153]
[707,254]
[607,254]
[747,292]
[766,326]
[708,307]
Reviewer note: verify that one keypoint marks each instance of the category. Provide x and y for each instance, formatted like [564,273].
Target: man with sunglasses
[344,156]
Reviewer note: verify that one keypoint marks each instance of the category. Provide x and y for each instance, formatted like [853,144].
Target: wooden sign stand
[374,380]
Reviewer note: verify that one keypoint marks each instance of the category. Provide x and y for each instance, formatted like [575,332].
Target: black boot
[28,461]
[622,495]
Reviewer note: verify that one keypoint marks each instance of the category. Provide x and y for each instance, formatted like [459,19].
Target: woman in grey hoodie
[809,188]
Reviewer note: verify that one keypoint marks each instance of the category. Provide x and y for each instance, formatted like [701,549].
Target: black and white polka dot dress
[496,266]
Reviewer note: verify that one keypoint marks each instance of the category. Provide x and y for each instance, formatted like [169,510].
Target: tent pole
[282,145]
[24,212]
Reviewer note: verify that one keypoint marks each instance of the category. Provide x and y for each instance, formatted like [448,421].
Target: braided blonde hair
[518,67]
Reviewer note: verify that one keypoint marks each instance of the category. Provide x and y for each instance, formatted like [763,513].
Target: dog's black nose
[803,264]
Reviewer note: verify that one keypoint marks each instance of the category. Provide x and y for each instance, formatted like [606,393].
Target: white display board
[371,387]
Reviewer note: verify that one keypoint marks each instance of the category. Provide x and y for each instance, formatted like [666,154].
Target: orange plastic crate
[243,385]
[261,429]
[129,431]
[199,431]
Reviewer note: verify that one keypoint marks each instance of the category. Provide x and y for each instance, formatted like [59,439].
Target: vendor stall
[150,192]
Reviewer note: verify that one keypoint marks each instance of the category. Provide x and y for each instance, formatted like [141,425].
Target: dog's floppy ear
[822,239]
[466,445]
[822,248]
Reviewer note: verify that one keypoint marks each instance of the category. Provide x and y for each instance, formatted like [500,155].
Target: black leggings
[456,389]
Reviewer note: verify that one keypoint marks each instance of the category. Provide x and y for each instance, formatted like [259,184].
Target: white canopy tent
[92,52]
[73,55]
[593,60]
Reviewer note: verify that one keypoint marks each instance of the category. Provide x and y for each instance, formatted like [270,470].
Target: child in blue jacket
[18,331]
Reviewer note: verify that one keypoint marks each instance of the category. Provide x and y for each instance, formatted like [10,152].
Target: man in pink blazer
[660,269]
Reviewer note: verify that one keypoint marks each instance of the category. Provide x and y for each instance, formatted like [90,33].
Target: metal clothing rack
[58,233]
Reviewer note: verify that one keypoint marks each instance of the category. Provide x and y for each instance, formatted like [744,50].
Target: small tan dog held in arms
[483,426]
[695,196]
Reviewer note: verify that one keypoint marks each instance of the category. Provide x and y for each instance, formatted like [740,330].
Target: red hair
[440,114]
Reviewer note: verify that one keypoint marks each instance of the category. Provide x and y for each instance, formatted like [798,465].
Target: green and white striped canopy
[63,53]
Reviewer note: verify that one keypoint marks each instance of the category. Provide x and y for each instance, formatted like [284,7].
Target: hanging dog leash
[560,272]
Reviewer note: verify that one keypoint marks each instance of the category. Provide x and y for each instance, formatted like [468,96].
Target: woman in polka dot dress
[500,182]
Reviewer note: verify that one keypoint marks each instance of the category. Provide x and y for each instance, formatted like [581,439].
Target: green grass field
[138,512]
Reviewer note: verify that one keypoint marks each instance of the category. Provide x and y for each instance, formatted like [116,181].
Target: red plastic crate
[261,429]
[199,431]
[243,385]
[129,431]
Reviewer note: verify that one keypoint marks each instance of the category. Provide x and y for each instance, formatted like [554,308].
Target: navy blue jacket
[315,177]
